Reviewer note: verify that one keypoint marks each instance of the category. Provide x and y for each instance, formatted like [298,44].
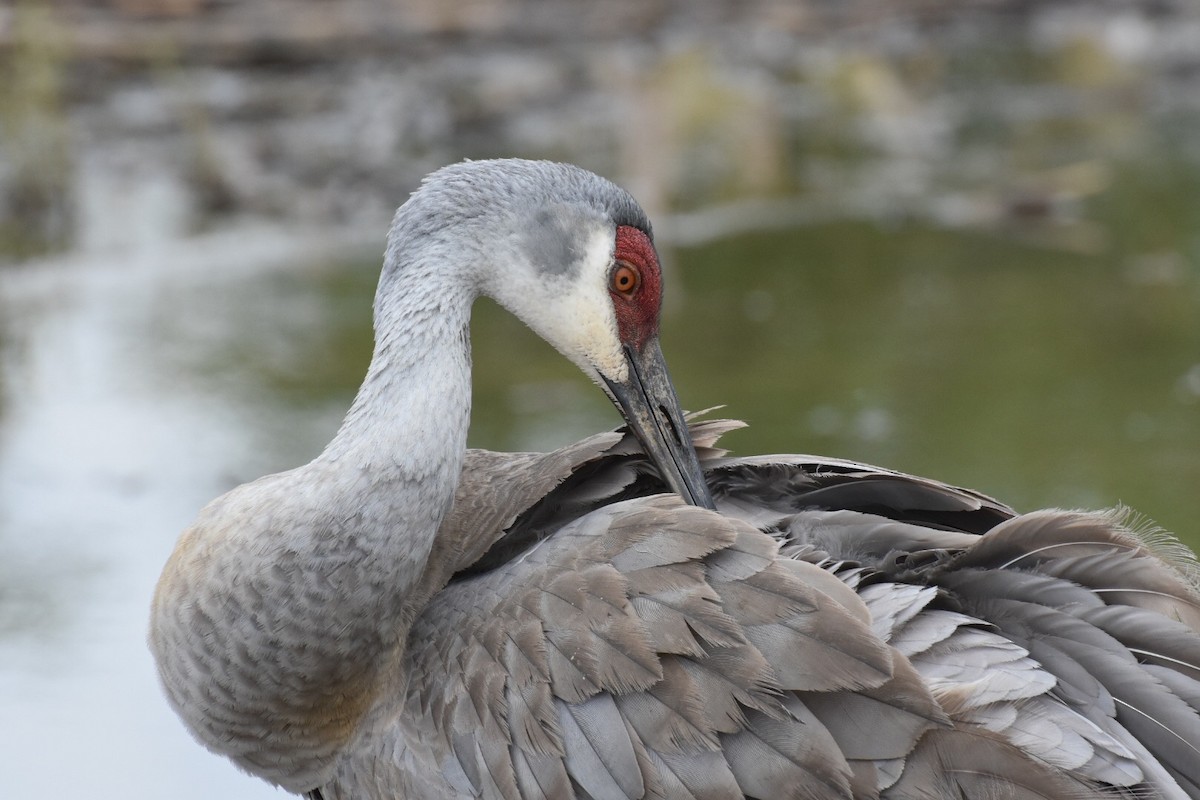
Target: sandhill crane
[403,618]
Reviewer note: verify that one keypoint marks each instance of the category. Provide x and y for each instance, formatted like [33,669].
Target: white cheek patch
[595,336]
[572,309]
[580,321]
[598,333]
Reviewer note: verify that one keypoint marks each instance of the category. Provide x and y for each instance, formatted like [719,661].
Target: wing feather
[779,758]
[840,631]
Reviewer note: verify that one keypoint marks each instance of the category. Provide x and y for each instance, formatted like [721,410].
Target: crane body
[639,615]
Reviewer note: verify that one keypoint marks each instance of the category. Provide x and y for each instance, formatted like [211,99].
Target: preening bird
[637,617]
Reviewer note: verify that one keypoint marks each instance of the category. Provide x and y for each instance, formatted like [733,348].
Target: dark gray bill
[648,401]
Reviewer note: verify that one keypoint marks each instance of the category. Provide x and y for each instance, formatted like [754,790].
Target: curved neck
[303,577]
[399,452]
[413,408]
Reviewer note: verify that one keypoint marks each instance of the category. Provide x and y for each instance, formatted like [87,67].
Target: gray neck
[395,462]
[306,573]
[411,414]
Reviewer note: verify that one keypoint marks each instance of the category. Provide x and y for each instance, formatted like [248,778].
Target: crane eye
[625,279]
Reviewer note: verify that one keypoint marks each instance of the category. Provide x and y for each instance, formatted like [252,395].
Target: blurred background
[958,239]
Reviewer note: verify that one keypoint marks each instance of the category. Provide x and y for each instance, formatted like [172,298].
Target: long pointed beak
[650,406]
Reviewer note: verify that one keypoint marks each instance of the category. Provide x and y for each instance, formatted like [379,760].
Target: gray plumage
[405,618]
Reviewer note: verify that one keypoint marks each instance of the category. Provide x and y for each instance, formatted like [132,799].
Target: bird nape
[403,617]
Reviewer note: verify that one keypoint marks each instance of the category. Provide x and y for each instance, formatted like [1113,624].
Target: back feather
[837,631]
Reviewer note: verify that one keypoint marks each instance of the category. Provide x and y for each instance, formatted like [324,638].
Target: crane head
[572,255]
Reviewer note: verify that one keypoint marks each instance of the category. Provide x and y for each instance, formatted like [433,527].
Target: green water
[1039,377]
